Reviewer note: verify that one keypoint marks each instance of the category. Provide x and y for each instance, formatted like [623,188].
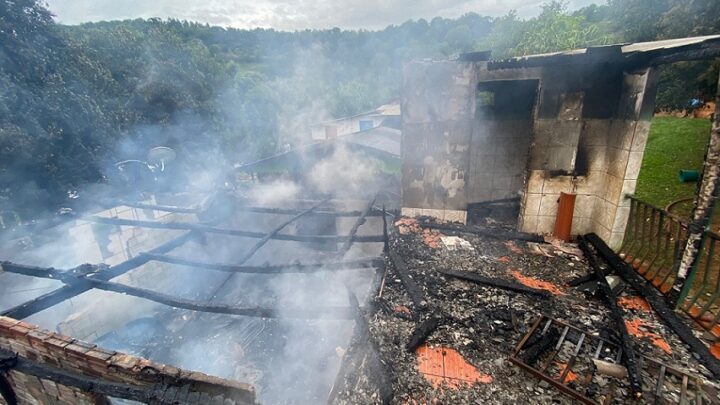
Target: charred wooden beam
[329,312]
[154,207]
[616,314]
[491,233]
[259,244]
[352,360]
[55,297]
[584,279]
[139,260]
[93,281]
[657,302]
[238,208]
[411,286]
[351,235]
[288,211]
[197,227]
[272,269]
[386,236]
[496,282]
[422,331]
[381,372]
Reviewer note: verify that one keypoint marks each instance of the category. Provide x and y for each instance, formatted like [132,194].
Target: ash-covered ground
[484,324]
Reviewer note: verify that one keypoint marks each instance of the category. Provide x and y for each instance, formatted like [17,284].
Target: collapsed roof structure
[323,300]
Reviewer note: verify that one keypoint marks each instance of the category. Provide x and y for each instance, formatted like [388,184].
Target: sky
[290,15]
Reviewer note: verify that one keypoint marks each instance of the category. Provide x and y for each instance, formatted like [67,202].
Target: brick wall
[56,353]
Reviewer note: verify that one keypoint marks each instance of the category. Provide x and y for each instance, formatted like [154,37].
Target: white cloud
[288,14]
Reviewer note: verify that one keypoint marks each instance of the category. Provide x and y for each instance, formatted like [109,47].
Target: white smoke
[273,193]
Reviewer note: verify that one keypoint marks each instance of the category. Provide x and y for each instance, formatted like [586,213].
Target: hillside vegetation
[75,99]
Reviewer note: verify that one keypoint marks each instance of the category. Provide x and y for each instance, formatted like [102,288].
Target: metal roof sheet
[622,52]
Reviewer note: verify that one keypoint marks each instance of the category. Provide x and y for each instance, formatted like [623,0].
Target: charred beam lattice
[87,277]
[204,228]
[251,252]
[239,208]
[271,269]
[61,294]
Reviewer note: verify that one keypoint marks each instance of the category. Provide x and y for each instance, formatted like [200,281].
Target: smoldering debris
[485,325]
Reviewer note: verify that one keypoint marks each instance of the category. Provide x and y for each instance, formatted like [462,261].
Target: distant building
[387,115]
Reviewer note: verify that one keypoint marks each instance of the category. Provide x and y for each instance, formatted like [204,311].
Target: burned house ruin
[305,281]
[531,128]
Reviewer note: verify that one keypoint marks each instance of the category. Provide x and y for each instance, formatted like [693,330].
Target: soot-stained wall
[502,132]
[533,132]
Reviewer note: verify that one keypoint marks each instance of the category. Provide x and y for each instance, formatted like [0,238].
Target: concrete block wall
[612,151]
[438,112]
[498,158]
[74,356]
[588,132]
[624,154]
[554,150]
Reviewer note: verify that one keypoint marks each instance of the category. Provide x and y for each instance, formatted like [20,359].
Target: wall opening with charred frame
[533,131]
[499,148]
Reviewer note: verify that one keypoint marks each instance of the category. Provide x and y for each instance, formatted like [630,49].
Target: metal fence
[653,242]
[701,297]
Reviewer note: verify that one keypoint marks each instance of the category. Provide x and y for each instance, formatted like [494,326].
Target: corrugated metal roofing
[392,109]
[383,139]
[668,43]
[623,51]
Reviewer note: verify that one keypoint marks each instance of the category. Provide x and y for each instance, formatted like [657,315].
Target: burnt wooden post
[707,192]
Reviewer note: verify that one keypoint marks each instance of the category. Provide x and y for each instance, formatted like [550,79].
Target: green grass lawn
[674,144]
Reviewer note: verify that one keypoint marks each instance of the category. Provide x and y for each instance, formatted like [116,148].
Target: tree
[556,30]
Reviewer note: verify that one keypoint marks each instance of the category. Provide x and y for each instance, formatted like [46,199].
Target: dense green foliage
[74,99]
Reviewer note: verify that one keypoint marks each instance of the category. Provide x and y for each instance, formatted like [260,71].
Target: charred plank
[198,227]
[55,297]
[271,269]
[411,286]
[351,235]
[616,314]
[89,282]
[239,208]
[259,244]
[422,331]
[381,372]
[496,282]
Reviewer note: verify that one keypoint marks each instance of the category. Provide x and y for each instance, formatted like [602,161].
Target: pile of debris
[493,316]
